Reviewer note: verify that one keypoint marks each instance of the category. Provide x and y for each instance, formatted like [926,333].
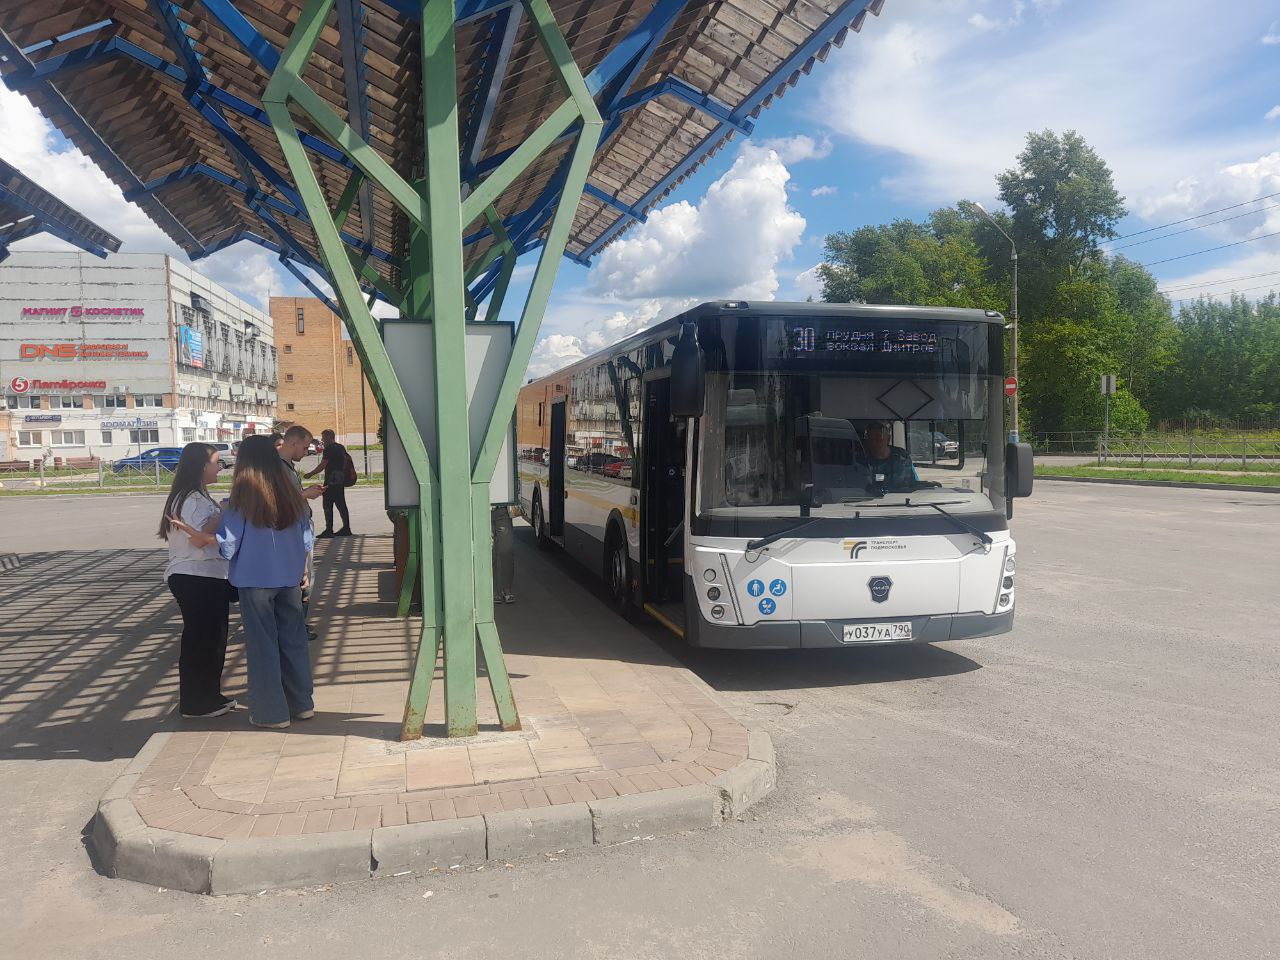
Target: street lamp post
[1013,318]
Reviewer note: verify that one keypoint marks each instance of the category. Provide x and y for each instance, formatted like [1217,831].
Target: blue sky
[924,107]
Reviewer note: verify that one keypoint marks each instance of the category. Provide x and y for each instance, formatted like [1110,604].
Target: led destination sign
[811,339]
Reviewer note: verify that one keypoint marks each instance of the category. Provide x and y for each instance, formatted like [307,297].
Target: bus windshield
[832,418]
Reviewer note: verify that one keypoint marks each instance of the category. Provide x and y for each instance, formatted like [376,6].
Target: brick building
[320,374]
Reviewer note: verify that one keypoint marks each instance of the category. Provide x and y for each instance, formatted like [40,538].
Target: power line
[1199,226]
[1207,213]
[1263,286]
[1217,283]
[1222,246]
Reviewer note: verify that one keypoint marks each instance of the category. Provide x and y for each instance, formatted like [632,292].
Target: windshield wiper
[967,528]
[981,535]
[784,532]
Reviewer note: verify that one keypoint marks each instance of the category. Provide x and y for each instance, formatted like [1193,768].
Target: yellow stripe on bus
[665,621]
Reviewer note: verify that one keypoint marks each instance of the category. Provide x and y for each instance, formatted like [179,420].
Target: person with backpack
[197,578]
[266,534]
[339,473]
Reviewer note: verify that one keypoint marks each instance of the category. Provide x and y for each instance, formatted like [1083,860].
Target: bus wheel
[617,571]
[540,524]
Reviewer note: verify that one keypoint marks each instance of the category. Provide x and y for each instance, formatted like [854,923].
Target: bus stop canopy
[166,98]
[26,209]
[413,150]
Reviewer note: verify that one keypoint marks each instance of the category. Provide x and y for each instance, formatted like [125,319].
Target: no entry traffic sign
[1010,386]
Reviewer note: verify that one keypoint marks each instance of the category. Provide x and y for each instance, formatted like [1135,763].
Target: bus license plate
[876,632]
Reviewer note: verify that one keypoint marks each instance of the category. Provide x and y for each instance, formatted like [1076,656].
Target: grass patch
[1220,465]
[1179,476]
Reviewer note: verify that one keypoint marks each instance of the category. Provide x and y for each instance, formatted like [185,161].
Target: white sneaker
[270,726]
[215,712]
[304,715]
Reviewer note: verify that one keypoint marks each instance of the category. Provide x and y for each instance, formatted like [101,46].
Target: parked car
[596,462]
[316,446]
[619,468]
[226,454]
[944,448]
[145,462]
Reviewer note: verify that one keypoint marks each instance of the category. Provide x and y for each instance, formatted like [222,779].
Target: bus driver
[889,465]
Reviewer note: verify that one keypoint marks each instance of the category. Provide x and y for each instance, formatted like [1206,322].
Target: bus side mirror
[688,386]
[1020,470]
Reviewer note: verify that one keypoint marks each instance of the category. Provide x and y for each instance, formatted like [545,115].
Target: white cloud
[729,244]
[1273,113]
[1219,187]
[826,190]
[984,23]
[806,284]
[1272,37]
[32,145]
[952,104]
[1252,275]
[797,149]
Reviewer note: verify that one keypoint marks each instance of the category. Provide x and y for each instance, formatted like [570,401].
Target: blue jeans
[275,635]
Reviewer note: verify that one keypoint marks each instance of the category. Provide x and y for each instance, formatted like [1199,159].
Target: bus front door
[663,501]
[555,478]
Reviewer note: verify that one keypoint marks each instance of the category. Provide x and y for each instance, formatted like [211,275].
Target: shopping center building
[107,357]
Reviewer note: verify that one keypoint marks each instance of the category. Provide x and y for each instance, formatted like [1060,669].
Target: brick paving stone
[443,810]
[276,806]
[467,807]
[719,761]
[317,821]
[213,825]
[511,800]
[265,826]
[644,782]
[489,803]
[580,792]
[535,797]
[558,794]
[372,799]
[681,775]
[291,824]
[367,817]
[602,789]
[394,814]
[331,803]
[237,828]
[448,767]
[665,781]
[418,811]
[623,786]
[479,790]
[342,820]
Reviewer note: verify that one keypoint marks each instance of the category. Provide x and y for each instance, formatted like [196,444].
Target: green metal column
[450,532]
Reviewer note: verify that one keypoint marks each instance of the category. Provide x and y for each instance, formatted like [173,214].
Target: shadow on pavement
[89,641]
[744,670]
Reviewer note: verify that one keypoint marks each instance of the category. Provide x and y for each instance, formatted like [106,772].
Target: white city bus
[787,474]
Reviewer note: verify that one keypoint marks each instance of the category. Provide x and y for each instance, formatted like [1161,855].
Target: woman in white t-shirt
[197,578]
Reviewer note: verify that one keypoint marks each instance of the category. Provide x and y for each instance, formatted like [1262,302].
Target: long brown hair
[261,489]
[188,478]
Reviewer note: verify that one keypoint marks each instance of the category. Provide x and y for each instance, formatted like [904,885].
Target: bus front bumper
[794,634]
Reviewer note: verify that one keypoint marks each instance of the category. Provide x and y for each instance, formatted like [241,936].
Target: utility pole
[1013,320]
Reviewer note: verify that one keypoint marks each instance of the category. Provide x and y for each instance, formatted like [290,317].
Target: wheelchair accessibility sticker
[756,588]
[778,587]
[767,606]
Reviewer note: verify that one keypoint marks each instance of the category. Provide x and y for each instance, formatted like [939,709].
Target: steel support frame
[452,520]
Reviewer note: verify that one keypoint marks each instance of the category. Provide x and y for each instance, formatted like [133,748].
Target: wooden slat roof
[727,48]
[35,210]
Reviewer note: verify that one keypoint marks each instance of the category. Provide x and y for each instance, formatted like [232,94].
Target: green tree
[933,264]
[1062,204]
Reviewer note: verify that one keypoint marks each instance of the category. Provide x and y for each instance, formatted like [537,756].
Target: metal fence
[88,472]
[1259,450]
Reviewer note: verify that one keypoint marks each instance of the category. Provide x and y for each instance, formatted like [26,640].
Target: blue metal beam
[506,28]
[355,80]
[704,102]
[244,32]
[104,156]
[592,190]
[51,224]
[311,285]
[615,74]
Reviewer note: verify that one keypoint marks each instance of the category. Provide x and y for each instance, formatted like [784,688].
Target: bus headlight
[1005,598]
[713,594]
[1008,565]
[717,612]
[709,575]
[1008,583]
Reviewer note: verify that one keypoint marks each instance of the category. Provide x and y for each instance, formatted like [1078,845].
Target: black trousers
[205,606]
[335,495]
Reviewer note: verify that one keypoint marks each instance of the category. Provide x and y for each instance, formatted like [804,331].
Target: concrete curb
[9,561]
[1176,484]
[129,849]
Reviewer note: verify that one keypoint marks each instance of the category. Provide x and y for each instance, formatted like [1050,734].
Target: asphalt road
[1103,782]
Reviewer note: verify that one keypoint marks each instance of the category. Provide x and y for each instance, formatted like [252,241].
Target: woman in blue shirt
[265,534]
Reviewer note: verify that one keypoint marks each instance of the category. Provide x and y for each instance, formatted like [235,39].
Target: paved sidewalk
[606,716]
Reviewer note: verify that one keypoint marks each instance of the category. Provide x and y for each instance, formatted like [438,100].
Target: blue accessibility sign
[778,587]
[756,588]
[767,606]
